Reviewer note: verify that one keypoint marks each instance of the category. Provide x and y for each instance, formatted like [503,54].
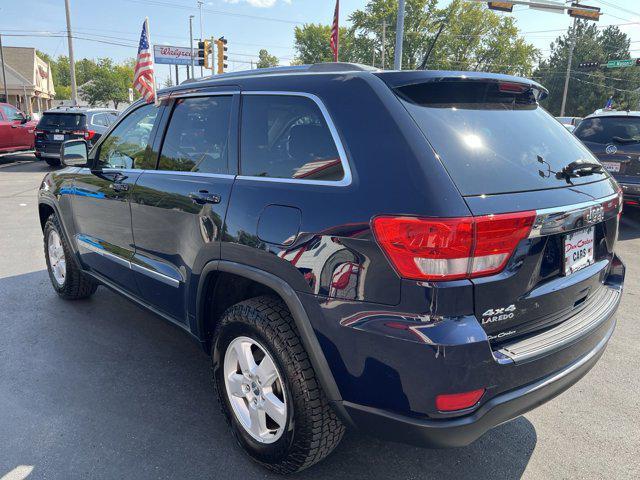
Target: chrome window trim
[161,277]
[205,94]
[545,215]
[192,174]
[346,179]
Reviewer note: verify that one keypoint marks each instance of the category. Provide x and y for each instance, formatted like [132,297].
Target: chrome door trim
[82,242]
[342,153]
[161,277]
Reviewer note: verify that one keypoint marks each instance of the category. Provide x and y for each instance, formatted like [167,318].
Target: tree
[589,89]
[109,83]
[312,44]
[474,38]
[266,60]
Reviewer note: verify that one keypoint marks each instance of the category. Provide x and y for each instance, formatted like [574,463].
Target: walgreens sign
[165,54]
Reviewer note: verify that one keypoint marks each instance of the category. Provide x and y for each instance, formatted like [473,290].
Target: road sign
[168,55]
[621,63]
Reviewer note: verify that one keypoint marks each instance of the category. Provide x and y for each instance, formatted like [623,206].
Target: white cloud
[259,3]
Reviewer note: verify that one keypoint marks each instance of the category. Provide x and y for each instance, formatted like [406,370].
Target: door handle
[202,197]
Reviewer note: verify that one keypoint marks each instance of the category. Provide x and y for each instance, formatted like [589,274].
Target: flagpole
[155,91]
[338,29]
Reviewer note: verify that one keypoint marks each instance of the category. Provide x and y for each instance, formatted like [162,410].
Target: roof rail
[314,68]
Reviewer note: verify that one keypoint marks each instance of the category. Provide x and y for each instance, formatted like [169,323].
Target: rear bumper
[457,432]
[631,191]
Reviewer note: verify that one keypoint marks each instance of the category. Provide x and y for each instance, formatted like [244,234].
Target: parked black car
[421,255]
[67,123]
[614,138]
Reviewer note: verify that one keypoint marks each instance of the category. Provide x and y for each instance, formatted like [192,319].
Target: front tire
[67,278]
[267,387]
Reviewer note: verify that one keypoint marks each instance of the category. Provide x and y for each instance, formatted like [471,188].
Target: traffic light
[200,56]
[582,11]
[589,65]
[501,6]
[221,43]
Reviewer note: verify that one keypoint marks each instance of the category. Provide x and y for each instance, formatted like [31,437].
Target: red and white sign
[169,55]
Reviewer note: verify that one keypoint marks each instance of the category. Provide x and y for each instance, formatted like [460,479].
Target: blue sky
[248,24]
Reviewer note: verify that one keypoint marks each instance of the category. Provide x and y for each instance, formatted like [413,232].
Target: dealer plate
[578,250]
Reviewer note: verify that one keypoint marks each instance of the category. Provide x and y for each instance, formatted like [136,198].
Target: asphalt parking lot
[102,389]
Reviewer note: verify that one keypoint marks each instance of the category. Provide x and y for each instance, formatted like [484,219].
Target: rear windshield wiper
[579,168]
[625,140]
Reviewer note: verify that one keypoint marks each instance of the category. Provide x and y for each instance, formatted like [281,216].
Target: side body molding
[308,336]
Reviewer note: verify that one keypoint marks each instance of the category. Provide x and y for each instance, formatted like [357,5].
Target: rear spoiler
[397,79]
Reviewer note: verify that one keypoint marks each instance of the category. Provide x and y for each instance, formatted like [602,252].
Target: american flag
[335,30]
[143,77]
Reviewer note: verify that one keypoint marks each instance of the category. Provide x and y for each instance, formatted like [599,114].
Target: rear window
[62,121]
[493,137]
[609,129]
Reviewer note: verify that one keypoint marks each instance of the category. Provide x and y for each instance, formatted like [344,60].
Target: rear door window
[99,119]
[286,136]
[493,138]
[62,121]
[197,136]
[609,129]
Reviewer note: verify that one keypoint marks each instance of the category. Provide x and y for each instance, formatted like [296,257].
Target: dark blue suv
[420,255]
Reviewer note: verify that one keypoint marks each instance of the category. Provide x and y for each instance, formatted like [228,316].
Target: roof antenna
[423,65]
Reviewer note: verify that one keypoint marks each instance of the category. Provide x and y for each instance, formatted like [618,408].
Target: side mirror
[25,119]
[74,153]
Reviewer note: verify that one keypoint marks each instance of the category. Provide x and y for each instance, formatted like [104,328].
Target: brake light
[458,401]
[87,134]
[451,248]
[512,87]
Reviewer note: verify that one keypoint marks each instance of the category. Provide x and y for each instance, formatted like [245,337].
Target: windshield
[494,138]
[62,121]
[609,129]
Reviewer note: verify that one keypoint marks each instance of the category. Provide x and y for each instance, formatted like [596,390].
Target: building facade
[29,81]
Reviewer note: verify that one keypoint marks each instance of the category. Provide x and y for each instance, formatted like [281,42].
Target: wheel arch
[288,295]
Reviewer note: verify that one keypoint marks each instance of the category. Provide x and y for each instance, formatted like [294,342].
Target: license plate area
[613,167]
[58,137]
[578,250]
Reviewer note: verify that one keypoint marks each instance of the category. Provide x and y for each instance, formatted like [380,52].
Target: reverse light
[451,248]
[458,401]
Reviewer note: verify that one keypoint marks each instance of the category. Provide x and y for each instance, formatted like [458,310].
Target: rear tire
[67,278]
[311,429]
[52,162]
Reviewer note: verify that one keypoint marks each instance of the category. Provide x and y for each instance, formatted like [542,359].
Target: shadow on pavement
[629,223]
[102,389]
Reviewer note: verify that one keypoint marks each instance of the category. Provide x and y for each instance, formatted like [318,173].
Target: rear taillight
[451,248]
[458,401]
[87,134]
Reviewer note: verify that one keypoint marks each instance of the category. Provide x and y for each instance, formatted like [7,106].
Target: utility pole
[397,61]
[177,80]
[191,41]
[566,79]
[200,3]
[4,73]
[72,63]
[384,39]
